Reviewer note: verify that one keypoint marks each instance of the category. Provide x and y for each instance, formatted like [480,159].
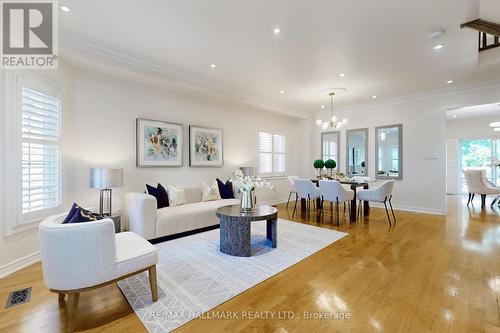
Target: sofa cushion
[173,220]
[210,192]
[160,193]
[177,195]
[133,253]
[225,190]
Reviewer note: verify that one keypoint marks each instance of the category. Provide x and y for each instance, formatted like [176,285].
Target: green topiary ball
[318,164]
[330,164]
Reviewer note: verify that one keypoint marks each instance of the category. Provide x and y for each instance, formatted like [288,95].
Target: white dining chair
[291,187]
[381,194]
[478,184]
[306,190]
[334,192]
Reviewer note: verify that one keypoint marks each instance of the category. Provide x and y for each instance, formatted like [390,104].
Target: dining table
[354,185]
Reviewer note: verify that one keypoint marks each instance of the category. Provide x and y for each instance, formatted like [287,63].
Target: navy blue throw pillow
[83,215]
[71,213]
[160,193]
[225,190]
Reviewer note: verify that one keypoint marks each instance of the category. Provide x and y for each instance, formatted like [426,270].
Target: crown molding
[421,96]
[81,48]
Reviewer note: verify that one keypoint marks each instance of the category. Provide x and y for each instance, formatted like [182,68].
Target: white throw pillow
[210,192]
[176,195]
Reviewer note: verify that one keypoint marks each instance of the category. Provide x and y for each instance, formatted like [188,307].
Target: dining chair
[477,184]
[306,190]
[291,187]
[332,191]
[381,194]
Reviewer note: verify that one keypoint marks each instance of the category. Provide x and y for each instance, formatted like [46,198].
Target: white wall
[423,187]
[98,129]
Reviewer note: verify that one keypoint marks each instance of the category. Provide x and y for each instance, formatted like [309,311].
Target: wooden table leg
[352,213]
[272,231]
[366,204]
[303,204]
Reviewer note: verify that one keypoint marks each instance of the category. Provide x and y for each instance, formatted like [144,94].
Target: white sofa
[145,219]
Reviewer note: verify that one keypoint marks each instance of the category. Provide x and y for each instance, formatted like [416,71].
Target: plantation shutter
[40,161]
[271,154]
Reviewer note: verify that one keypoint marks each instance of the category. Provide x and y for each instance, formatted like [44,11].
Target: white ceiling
[383,47]
[475,111]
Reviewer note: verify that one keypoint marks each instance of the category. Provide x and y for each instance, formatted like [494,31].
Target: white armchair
[333,191]
[291,187]
[305,190]
[77,257]
[477,183]
[381,194]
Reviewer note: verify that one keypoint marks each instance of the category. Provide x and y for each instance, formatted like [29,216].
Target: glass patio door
[478,154]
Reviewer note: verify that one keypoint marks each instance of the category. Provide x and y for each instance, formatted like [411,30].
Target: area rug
[194,276]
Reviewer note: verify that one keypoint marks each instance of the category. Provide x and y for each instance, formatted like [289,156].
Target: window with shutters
[40,152]
[271,154]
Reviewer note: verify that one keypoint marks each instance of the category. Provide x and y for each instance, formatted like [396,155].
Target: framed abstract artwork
[158,143]
[205,147]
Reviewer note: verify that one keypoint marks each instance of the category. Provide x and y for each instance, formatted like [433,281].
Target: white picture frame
[158,143]
[206,147]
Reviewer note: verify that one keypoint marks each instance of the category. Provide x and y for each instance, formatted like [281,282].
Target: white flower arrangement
[247,183]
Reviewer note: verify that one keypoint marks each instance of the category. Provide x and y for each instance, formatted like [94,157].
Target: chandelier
[333,122]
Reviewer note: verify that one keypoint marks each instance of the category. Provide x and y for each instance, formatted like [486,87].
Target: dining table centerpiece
[246,186]
[319,165]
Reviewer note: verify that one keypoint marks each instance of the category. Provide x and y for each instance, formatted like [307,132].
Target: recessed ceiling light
[438,46]
[495,124]
[322,106]
[65,9]
[374,96]
[213,65]
[276,30]
[341,74]
[282,91]
[450,81]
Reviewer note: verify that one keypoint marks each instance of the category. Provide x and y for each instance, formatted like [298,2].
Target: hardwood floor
[428,274]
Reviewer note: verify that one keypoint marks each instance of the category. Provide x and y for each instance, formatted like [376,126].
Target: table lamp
[105,179]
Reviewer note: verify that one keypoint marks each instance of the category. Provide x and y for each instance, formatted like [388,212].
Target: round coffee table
[235,228]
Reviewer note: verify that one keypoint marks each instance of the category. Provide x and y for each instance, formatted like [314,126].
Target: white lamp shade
[106,178]
[248,171]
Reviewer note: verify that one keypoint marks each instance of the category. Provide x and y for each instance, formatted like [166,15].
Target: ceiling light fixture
[322,106]
[65,9]
[495,124]
[341,74]
[374,96]
[213,65]
[450,81]
[282,91]
[438,47]
[277,31]
[333,122]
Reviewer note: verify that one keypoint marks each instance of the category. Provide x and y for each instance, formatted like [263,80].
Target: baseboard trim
[19,264]
[411,209]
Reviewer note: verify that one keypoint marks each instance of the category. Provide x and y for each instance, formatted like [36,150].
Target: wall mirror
[389,152]
[330,146]
[357,152]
